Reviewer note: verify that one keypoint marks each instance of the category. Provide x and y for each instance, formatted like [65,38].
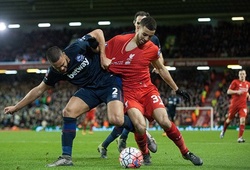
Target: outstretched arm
[230,92]
[164,73]
[30,97]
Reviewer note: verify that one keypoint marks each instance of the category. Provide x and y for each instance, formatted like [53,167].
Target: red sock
[141,141]
[174,134]
[241,130]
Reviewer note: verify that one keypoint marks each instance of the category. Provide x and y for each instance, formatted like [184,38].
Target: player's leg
[102,148]
[140,133]
[242,114]
[152,146]
[115,110]
[225,125]
[84,126]
[73,109]
[91,125]
[174,134]
[115,105]
[231,114]
[122,141]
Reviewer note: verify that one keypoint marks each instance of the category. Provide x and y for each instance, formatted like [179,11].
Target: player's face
[137,22]
[62,64]
[144,35]
[242,75]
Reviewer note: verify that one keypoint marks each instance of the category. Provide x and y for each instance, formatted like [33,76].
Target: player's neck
[131,45]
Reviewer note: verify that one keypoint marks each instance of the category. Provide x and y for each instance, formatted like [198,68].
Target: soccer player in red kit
[89,120]
[130,56]
[238,90]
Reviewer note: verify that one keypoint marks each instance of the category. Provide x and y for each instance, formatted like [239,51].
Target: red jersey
[239,100]
[90,115]
[132,66]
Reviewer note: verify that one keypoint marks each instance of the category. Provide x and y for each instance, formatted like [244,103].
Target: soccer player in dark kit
[79,64]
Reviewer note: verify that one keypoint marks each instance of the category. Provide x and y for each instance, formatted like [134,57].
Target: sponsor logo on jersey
[78,69]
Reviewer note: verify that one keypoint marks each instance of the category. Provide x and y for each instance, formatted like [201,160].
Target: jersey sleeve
[232,85]
[80,45]
[51,77]
[156,41]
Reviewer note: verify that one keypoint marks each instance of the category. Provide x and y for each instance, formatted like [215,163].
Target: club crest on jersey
[79,58]
[83,38]
[129,59]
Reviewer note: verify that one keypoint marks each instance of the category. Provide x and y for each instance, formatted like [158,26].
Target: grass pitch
[30,150]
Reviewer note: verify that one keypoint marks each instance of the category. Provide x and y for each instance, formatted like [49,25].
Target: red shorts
[146,99]
[234,109]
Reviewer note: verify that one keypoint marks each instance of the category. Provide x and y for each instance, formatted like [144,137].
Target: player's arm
[165,75]
[99,41]
[99,36]
[161,60]
[33,94]
[156,41]
[230,92]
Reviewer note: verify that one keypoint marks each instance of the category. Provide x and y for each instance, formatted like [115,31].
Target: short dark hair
[53,54]
[141,13]
[149,22]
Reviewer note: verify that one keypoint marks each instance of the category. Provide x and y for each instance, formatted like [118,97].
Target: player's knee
[68,113]
[116,120]
[140,128]
[164,123]
[242,121]
[228,121]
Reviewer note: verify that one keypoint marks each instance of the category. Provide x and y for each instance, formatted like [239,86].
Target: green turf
[30,150]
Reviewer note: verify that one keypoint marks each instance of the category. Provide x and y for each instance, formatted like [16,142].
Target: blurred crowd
[206,88]
[46,111]
[184,41]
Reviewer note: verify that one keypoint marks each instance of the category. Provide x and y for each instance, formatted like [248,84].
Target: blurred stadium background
[187,44]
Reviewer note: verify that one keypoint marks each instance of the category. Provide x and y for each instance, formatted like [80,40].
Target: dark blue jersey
[84,68]
[173,101]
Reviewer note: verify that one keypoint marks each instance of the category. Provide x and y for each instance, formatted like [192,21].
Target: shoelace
[192,156]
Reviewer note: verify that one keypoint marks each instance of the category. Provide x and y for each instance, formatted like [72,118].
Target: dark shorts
[111,90]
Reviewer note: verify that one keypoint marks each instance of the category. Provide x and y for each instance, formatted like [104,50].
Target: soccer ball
[131,157]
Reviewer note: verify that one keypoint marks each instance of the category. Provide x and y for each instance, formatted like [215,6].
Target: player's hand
[239,92]
[9,110]
[184,94]
[105,62]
